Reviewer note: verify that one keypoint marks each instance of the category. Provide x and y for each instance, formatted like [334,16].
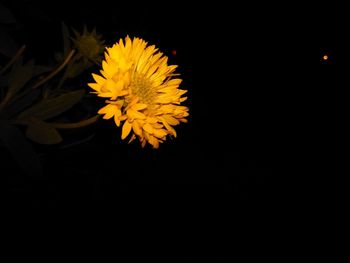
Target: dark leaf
[49,108]
[8,47]
[77,68]
[20,149]
[21,103]
[19,76]
[75,125]
[17,65]
[41,132]
[6,16]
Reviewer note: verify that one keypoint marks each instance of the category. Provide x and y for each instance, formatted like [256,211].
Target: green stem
[64,77]
[53,73]
[13,59]
[75,124]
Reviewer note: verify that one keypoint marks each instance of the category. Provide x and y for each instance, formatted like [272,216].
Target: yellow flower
[142,90]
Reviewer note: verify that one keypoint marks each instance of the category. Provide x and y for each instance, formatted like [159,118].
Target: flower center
[143,88]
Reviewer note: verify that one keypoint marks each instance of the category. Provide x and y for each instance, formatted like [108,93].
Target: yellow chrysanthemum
[143,95]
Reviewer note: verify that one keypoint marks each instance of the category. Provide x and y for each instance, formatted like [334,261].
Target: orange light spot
[325,57]
[173,52]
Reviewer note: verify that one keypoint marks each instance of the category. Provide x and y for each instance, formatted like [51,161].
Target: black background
[244,71]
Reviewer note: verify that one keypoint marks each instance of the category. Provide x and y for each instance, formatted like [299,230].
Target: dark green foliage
[36,99]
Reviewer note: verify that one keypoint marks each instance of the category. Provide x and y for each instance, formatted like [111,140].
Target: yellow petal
[134,101]
[123,117]
[167,89]
[103,110]
[128,42]
[121,43]
[117,120]
[137,129]
[152,120]
[113,54]
[175,82]
[105,66]
[157,125]
[110,111]
[181,92]
[153,141]
[171,120]
[170,129]
[133,137]
[139,106]
[167,108]
[185,114]
[123,64]
[148,128]
[105,94]
[117,115]
[135,114]
[126,129]
[160,133]
[109,86]
[104,74]
[123,93]
[95,86]
[179,111]
[164,100]
[98,79]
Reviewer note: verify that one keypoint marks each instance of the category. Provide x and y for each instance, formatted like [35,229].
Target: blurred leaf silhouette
[35,99]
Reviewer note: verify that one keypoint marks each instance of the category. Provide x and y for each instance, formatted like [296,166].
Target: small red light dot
[173,52]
